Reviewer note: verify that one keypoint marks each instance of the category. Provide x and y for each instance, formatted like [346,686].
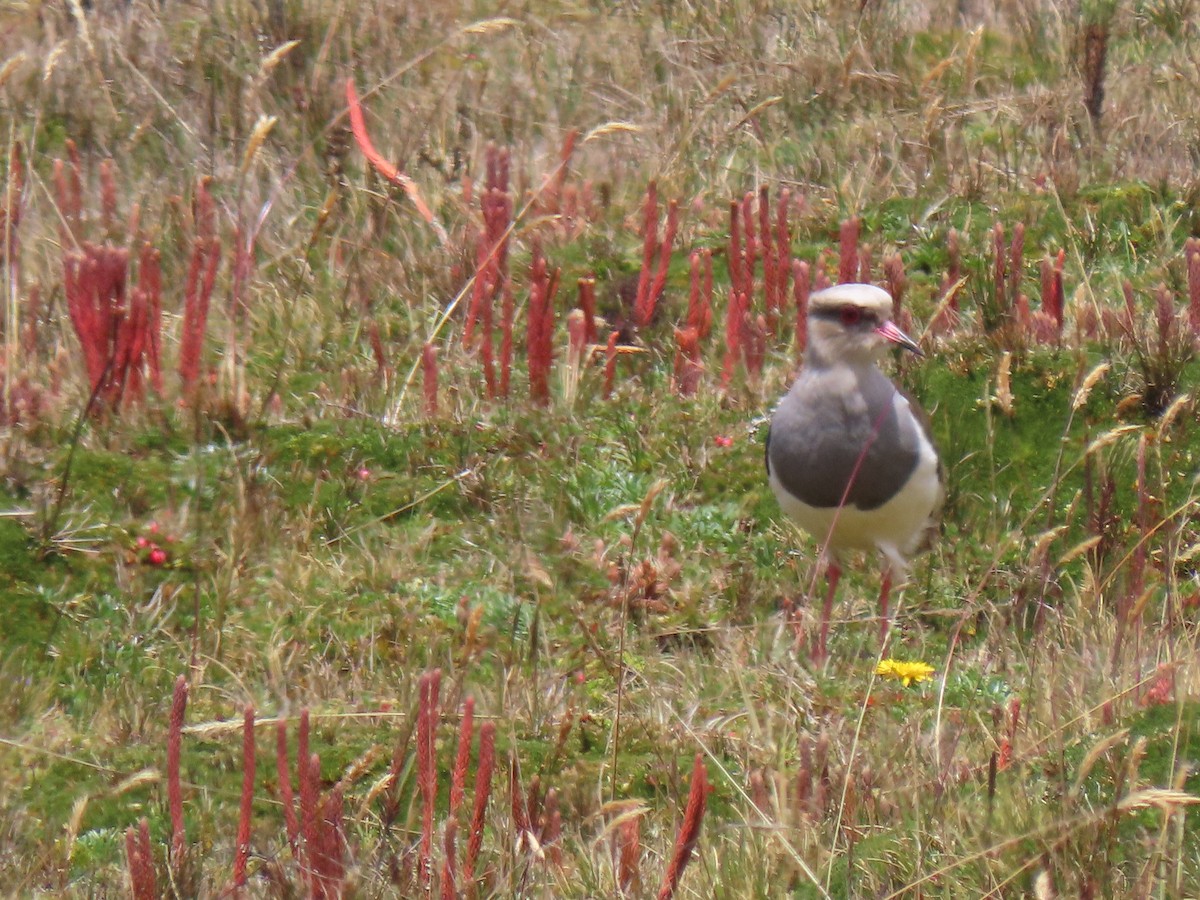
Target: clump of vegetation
[474,321]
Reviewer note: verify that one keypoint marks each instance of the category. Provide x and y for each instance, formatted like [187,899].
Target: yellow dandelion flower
[905,671]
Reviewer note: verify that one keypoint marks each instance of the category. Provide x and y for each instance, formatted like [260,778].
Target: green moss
[18,562]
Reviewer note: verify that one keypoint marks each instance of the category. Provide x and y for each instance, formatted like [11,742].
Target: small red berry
[157,557]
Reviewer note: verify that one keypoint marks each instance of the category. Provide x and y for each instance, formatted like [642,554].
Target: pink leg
[834,574]
[885,592]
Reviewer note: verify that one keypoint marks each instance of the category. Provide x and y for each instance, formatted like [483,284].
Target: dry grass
[605,577]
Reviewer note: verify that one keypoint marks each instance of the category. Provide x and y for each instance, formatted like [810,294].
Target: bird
[848,454]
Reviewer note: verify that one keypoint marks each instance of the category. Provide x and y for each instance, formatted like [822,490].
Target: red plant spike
[737,260]
[801,287]
[136,336]
[1047,280]
[629,854]
[506,338]
[820,278]
[483,789]
[1164,310]
[664,262]
[201,278]
[310,799]
[449,890]
[174,748]
[89,303]
[866,264]
[770,257]
[242,848]
[329,870]
[140,862]
[491,272]
[1048,322]
[752,245]
[754,344]
[999,269]
[429,374]
[148,297]
[783,228]
[308,774]
[734,326]
[286,795]
[897,282]
[539,336]
[1059,297]
[700,312]
[95,283]
[1016,259]
[1004,757]
[689,830]
[783,253]
[463,757]
[649,244]
[427,716]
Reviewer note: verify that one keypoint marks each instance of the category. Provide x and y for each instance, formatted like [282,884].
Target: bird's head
[852,323]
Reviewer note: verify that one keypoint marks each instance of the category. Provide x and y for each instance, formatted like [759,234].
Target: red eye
[851,315]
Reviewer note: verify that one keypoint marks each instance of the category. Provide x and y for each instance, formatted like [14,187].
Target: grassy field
[285,483]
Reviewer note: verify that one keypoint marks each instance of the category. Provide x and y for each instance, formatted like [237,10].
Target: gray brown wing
[825,446]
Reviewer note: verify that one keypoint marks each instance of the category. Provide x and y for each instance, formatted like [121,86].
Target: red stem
[242,848]
[801,287]
[174,751]
[664,262]
[429,373]
[483,789]
[286,795]
[463,758]
[689,831]
[641,303]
